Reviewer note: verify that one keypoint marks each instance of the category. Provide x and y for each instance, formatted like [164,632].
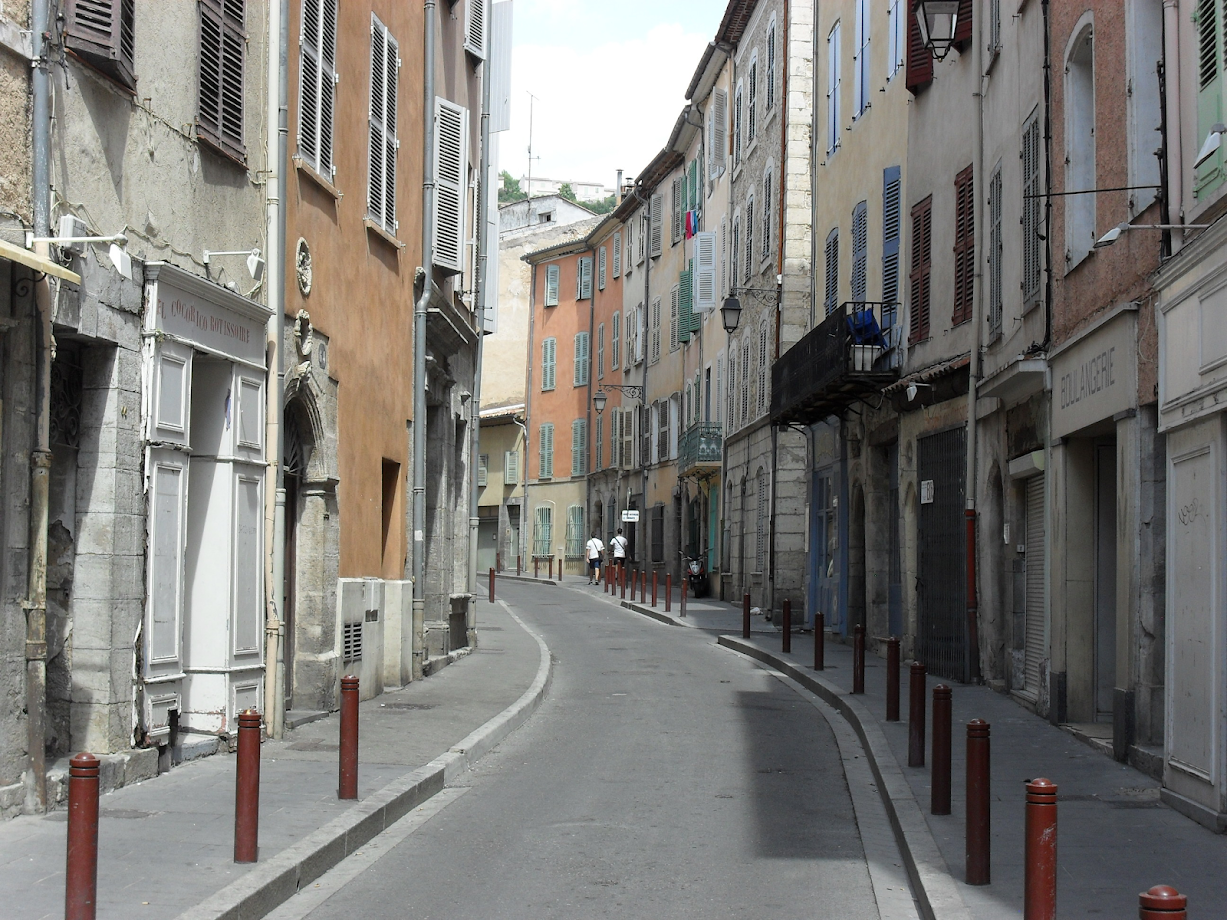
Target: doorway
[941,580]
[824,531]
[1105,579]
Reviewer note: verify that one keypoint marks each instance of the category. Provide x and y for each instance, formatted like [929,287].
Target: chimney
[619,192]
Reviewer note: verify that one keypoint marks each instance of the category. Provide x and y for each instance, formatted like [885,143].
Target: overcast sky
[609,80]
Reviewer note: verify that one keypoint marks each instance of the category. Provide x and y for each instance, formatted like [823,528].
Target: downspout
[588,408]
[973,377]
[40,457]
[1047,178]
[479,303]
[277,132]
[641,336]
[528,409]
[1172,140]
[419,341]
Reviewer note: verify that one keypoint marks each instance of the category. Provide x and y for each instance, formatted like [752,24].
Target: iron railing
[700,445]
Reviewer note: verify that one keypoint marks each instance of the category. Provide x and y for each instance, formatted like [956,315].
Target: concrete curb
[937,893]
[527,579]
[655,614]
[274,882]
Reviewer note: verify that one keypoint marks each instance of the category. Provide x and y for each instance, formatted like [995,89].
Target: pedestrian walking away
[619,544]
[596,549]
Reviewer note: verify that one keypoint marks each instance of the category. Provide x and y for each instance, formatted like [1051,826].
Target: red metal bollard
[519,559]
[654,590]
[685,586]
[1162,902]
[786,646]
[622,579]
[820,642]
[916,717]
[858,660]
[939,798]
[745,615]
[347,785]
[1040,885]
[978,854]
[247,789]
[892,679]
[668,591]
[492,586]
[536,567]
[643,588]
[81,869]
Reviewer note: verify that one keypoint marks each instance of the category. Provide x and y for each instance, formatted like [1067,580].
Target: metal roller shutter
[1034,640]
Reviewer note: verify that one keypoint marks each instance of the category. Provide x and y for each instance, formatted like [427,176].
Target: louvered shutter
[585,278]
[657,219]
[317,84]
[745,380]
[615,438]
[705,272]
[475,25]
[994,254]
[832,271]
[615,341]
[719,140]
[918,311]
[104,33]
[600,352]
[628,434]
[617,254]
[749,228]
[655,320]
[223,50]
[451,179]
[579,447]
[834,53]
[583,359]
[962,27]
[768,200]
[752,102]
[731,410]
[546,461]
[688,321]
[1208,26]
[762,368]
[736,250]
[511,468]
[737,121]
[677,206]
[891,217]
[551,285]
[601,268]
[548,355]
[1031,190]
[860,251]
[919,59]
[964,245]
[770,67]
[483,469]
[1033,653]
[675,307]
[598,445]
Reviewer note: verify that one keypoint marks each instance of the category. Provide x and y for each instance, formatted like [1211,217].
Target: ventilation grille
[351,641]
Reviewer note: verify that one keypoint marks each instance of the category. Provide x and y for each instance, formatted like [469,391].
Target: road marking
[335,879]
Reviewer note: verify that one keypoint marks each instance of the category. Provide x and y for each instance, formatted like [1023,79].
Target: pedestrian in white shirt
[596,549]
[619,544]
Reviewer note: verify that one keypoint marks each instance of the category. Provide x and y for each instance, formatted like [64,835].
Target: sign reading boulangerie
[1095,375]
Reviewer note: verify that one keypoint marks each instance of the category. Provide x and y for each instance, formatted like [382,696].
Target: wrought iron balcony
[700,450]
[850,354]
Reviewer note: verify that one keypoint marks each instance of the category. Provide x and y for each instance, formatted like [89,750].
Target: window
[994,26]
[615,438]
[724,258]
[860,251]
[646,454]
[731,398]
[687,321]
[223,48]
[551,285]
[615,341]
[831,300]
[768,195]
[549,355]
[737,117]
[717,135]
[749,268]
[483,469]
[575,532]
[964,245]
[897,15]
[745,380]
[677,207]
[1031,199]
[317,84]
[1080,147]
[475,38]
[675,307]
[543,530]
[763,366]
[736,251]
[861,64]
[922,265]
[382,145]
[598,441]
[579,447]
[628,436]
[760,530]
[600,268]
[833,69]
[919,58]
[103,32]
[545,466]
[583,359]
[656,308]
[617,254]
[752,100]
[662,438]
[600,352]
[994,253]
[705,272]
[719,387]
[890,246]
[658,224]
[1144,49]
[583,278]
[511,468]
[769,103]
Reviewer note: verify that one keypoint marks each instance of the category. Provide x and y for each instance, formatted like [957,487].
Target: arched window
[1079,145]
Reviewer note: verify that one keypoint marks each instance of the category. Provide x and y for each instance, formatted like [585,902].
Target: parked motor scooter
[696,575]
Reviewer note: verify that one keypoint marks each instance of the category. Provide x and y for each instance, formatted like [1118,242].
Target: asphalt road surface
[662,777]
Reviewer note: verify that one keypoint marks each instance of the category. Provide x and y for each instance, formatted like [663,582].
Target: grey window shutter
[832,274]
[677,207]
[317,84]
[451,175]
[600,268]
[585,278]
[891,217]
[600,352]
[615,341]
[752,102]
[749,230]
[511,467]
[994,253]
[617,254]
[719,143]
[104,33]
[657,219]
[768,201]
[223,50]
[548,355]
[475,39]
[771,67]
[705,270]
[860,251]
[551,285]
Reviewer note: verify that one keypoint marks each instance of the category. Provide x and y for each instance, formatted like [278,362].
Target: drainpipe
[40,457]
[277,133]
[1173,139]
[588,406]
[973,377]
[479,302]
[528,407]
[419,341]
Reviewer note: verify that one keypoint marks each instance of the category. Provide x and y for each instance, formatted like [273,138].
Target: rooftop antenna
[529,191]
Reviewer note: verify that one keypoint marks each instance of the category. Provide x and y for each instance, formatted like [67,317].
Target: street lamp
[1114,234]
[598,402]
[938,20]
[730,314]
[599,398]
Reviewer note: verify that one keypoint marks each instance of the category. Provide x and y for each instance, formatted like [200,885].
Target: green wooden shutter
[1208,23]
[687,320]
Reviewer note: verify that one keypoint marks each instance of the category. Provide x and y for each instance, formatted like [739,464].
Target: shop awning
[35,261]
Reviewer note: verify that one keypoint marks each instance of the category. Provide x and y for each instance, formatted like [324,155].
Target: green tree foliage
[511,190]
[602,205]
[567,192]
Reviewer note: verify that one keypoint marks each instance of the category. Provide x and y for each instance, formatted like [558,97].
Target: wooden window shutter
[451,180]
[578,436]
[600,352]
[1031,243]
[685,307]
[475,21]
[770,67]
[831,300]
[737,116]
[601,268]
[583,358]
[223,50]
[511,468]
[617,254]
[705,272]
[317,84]
[551,285]
[1208,32]
[768,229]
[656,320]
[964,245]
[752,102]
[860,251]
[720,105]
[546,464]
[962,28]
[919,60]
[994,253]
[549,353]
[103,32]
[890,245]
[483,469]
[677,207]
[922,232]
[583,278]
[615,341]
[749,229]
[657,219]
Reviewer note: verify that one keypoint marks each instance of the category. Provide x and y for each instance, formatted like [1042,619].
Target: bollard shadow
[801,805]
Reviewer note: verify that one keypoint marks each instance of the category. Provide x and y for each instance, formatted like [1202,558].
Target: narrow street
[663,776]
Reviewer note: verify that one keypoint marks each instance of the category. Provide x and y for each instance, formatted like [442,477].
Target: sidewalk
[166,845]
[1115,838]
